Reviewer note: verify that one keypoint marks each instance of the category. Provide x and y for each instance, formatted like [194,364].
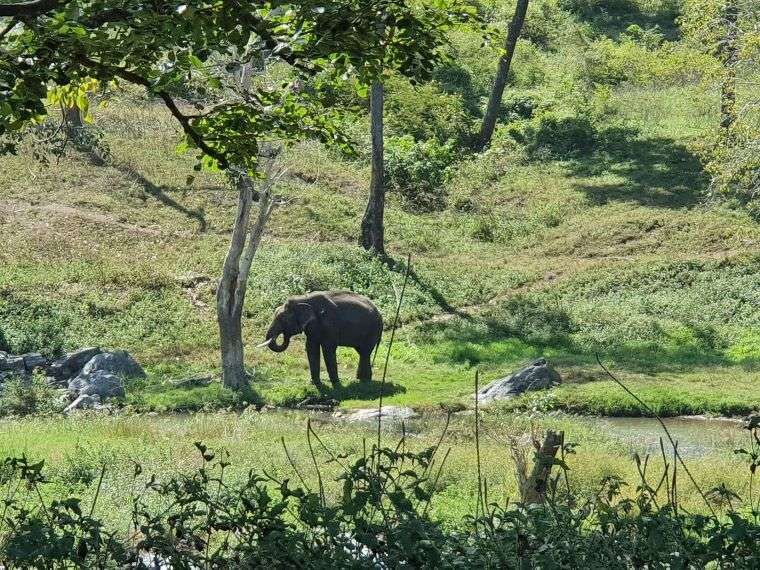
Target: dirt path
[20,209]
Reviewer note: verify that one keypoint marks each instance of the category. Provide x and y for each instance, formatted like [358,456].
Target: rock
[84,402]
[191,279]
[34,360]
[100,382]
[119,363]
[70,365]
[318,403]
[6,375]
[538,375]
[393,413]
[13,364]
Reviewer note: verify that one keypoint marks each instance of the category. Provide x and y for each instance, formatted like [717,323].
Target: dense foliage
[167,47]
[381,519]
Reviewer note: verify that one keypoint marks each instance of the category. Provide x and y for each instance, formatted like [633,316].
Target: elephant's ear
[306,315]
[327,313]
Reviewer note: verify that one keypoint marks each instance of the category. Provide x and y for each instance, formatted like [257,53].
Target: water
[696,436]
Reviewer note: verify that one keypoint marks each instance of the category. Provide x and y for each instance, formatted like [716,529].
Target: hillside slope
[565,254]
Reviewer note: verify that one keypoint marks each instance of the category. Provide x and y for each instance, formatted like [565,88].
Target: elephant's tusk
[265,343]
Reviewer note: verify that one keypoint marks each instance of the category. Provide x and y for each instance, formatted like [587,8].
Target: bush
[424,112]
[642,57]
[562,136]
[417,171]
[24,396]
[546,24]
[31,327]
[734,164]
[518,105]
[208,519]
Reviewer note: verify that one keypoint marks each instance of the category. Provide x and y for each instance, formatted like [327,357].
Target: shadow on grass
[362,390]
[612,17]
[160,193]
[656,171]
[424,286]
[522,329]
[455,79]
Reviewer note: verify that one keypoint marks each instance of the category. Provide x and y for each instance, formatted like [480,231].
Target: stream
[695,435]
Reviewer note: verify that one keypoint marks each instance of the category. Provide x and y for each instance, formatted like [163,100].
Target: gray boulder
[34,360]
[100,382]
[391,413]
[119,363]
[538,375]
[13,364]
[6,375]
[85,402]
[70,365]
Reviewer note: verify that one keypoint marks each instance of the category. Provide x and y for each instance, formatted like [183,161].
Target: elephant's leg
[331,362]
[364,372]
[312,351]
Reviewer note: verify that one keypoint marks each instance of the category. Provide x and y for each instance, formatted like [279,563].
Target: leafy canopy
[161,45]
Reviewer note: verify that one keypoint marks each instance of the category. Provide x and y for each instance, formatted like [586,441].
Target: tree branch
[183,119]
[8,28]
[33,8]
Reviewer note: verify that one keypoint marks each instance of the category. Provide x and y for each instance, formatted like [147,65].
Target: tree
[502,71]
[48,43]
[729,32]
[373,227]
[411,38]
[729,51]
[230,295]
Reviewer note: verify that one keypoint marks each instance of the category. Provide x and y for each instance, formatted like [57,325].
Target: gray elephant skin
[329,319]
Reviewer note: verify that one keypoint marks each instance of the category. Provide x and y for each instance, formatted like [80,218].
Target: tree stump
[533,485]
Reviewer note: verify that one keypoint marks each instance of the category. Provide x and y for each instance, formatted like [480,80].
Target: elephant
[329,319]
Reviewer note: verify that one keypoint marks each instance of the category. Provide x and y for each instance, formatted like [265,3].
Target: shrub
[560,135]
[424,112]
[4,345]
[207,519]
[733,162]
[417,171]
[23,396]
[518,105]
[643,57]
[32,327]
[546,24]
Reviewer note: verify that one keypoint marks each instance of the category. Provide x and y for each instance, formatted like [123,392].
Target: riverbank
[75,450]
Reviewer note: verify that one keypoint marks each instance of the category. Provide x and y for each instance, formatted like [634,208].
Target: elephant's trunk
[273,334]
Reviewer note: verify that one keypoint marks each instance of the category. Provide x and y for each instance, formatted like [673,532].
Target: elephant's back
[349,298]
[355,306]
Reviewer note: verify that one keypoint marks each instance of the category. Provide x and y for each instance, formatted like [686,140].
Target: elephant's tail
[377,348]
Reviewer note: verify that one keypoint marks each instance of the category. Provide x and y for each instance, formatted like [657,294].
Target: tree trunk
[533,486]
[72,122]
[73,117]
[373,231]
[502,71]
[231,342]
[230,295]
[730,56]
[244,76]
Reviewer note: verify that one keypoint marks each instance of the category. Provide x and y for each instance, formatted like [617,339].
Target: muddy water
[696,436]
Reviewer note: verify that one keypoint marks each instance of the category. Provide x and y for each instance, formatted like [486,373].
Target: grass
[562,250]
[75,449]
[582,261]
